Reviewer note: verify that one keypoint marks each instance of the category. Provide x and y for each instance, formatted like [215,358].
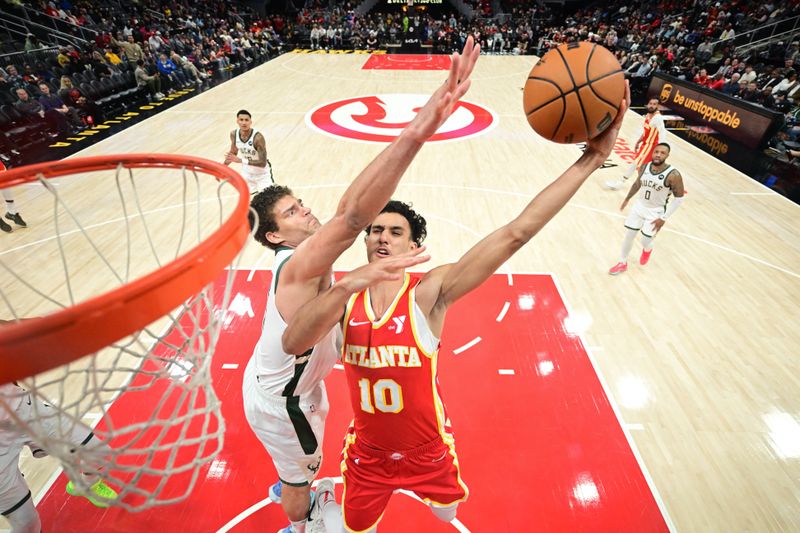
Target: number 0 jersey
[390,364]
[654,192]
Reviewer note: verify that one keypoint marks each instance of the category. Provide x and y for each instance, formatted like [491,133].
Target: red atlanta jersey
[654,132]
[390,364]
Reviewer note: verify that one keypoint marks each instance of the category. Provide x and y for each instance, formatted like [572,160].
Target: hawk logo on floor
[381,118]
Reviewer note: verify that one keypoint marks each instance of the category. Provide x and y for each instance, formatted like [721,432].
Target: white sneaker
[614,185]
[325,494]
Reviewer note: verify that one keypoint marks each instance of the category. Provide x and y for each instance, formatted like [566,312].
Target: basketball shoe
[99,488]
[16,219]
[5,227]
[325,494]
[645,257]
[275,492]
[619,268]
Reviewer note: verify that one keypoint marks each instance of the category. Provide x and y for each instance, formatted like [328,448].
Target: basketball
[573,93]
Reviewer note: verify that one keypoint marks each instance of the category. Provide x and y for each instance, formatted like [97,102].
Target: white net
[140,414]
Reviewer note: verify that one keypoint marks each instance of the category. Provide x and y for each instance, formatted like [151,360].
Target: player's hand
[442,102]
[388,269]
[602,145]
[658,223]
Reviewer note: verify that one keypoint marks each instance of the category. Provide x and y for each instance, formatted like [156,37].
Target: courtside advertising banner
[750,124]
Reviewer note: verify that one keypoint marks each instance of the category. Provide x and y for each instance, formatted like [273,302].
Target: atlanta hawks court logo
[380,118]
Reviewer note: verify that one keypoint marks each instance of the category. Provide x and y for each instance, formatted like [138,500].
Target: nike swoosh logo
[354,323]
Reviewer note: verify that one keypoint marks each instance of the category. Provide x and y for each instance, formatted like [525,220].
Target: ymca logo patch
[381,118]
[399,323]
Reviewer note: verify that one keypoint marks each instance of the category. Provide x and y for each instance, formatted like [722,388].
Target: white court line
[648,478]
[505,371]
[230,366]
[467,346]
[39,496]
[635,427]
[504,311]
[427,60]
[510,280]
[232,111]
[579,206]
[373,73]
[337,366]
[244,514]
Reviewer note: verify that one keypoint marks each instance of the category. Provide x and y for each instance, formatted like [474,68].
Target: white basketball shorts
[290,428]
[641,218]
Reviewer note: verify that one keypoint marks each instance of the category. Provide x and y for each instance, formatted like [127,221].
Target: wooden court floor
[698,350]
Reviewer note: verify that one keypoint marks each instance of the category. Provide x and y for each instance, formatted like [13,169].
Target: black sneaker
[5,227]
[17,219]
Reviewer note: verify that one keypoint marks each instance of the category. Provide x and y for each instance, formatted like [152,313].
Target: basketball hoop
[126,298]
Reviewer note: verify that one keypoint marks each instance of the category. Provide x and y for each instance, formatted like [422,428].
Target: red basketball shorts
[371,475]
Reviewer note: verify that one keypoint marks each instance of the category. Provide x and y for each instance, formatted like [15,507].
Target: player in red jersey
[401,437]
[654,132]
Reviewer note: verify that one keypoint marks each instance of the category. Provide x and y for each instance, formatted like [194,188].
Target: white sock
[647,243]
[332,517]
[9,197]
[299,527]
[627,244]
[629,171]
[445,514]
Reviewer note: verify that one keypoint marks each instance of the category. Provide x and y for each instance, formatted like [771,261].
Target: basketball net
[84,271]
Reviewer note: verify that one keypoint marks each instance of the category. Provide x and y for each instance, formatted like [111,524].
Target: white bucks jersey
[283,374]
[654,192]
[246,148]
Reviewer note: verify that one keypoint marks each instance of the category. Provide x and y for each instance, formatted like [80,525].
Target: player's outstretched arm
[374,186]
[635,186]
[316,318]
[480,262]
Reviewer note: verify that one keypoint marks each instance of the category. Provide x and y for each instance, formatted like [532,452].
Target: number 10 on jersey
[385,395]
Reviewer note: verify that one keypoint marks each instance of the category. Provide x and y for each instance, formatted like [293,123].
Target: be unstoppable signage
[750,124]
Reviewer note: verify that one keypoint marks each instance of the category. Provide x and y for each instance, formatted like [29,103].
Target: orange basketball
[573,93]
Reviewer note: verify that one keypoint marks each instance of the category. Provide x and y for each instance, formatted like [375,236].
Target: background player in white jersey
[284,396]
[16,504]
[657,181]
[653,132]
[251,148]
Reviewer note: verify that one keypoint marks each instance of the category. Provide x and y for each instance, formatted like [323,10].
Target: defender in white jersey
[251,148]
[656,184]
[277,384]
[284,397]
[16,504]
